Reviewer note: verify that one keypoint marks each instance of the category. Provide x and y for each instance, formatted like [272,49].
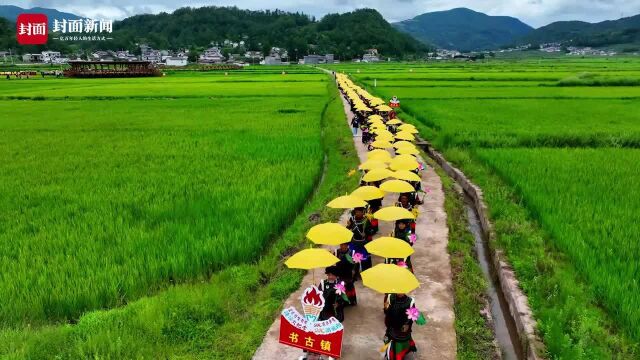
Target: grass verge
[474,334]
[571,322]
[225,317]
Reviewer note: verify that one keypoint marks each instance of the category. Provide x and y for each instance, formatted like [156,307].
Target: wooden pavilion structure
[100,69]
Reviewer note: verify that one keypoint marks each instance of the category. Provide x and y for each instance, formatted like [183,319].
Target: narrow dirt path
[364,323]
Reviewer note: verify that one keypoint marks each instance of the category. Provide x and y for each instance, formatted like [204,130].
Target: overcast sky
[534,12]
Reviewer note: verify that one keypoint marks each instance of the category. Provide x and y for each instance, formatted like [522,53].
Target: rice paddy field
[147,218]
[554,145]
[103,201]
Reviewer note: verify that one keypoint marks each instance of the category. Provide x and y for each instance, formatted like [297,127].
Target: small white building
[32,58]
[124,55]
[49,56]
[273,59]
[313,59]
[212,55]
[371,55]
[176,61]
[60,60]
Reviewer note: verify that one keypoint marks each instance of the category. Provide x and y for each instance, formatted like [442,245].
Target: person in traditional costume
[366,133]
[346,272]
[363,232]
[333,301]
[398,340]
[408,202]
[402,231]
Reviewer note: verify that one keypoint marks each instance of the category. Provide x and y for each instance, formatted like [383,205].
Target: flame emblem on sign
[312,303]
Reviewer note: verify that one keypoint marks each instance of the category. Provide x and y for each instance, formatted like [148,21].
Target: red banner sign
[32,29]
[306,332]
[326,344]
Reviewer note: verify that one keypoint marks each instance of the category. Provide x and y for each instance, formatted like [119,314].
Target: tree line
[346,35]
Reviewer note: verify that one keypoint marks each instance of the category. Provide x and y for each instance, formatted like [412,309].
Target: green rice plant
[102,202]
[587,199]
[180,86]
[223,317]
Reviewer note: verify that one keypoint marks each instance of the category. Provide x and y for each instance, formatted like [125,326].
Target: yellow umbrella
[390,248]
[377,175]
[404,157]
[347,202]
[406,126]
[380,156]
[378,152]
[387,138]
[362,108]
[375,116]
[403,164]
[384,132]
[393,213]
[408,150]
[402,144]
[404,135]
[394,122]
[376,101]
[311,259]
[397,186]
[329,234]
[381,144]
[406,175]
[373,164]
[389,279]
[384,108]
[368,193]
[410,130]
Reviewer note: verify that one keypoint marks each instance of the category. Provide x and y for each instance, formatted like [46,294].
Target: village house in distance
[213,55]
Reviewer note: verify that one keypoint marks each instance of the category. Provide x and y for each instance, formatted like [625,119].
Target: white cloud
[533,12]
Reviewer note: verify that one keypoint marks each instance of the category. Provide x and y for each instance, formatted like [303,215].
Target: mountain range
[346,35]
[464,29]
[612,32]
[11,12]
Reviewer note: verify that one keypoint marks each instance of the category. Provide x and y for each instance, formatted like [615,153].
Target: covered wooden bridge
[98,69]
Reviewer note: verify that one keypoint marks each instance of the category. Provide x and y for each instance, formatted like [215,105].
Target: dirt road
[364,324]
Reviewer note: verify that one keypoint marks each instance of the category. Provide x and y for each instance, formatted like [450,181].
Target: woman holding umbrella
[333,302]
[400,310]
[398,338]
[402,231]
[362,230]
[407,202]
[346,272]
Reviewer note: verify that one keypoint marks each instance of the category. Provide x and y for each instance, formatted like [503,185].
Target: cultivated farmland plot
[553,144]
[105,201]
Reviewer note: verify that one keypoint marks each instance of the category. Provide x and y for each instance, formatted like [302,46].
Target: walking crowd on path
[370,251]
[385,136]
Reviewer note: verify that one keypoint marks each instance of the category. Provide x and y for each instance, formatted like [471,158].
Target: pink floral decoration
[402,264]
[413,238]
[413,313]
[340,288]
[357,258]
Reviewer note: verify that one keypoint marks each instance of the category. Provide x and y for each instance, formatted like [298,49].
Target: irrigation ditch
[513,320]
